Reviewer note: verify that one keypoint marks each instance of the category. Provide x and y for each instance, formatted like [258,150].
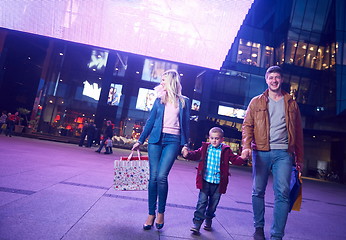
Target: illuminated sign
[193,32]
[91,90]
[231,112]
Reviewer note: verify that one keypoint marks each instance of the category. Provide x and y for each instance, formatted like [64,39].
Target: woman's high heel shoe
[159,225]
[148,227]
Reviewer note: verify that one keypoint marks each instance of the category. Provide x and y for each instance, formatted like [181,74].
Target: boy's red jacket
[226,156]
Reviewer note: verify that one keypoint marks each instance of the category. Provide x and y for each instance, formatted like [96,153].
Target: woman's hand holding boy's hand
[184,151]
[136,146]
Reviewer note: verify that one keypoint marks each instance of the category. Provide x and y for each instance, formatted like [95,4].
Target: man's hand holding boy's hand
[246,154]
[184,151]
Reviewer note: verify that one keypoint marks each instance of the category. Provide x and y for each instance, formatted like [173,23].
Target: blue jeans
[161,158]
[279,162]
[209,196]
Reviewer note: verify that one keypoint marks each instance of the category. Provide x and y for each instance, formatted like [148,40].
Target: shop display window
[114,94]
[248,52]
[145,99]
[195,105]
[231,112]
[120,65]
[306,55]
[98,60]
[153,69]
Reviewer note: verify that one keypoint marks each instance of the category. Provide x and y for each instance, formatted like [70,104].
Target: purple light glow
[196,32]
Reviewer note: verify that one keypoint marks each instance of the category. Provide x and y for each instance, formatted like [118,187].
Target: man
[272,134]
[83,134]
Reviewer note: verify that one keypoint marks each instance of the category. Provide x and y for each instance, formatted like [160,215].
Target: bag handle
[131,154]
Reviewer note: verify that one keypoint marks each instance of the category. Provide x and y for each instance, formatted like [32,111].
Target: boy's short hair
[216,130]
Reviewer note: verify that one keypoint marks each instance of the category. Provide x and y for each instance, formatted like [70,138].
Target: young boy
[212,176]
[109,145]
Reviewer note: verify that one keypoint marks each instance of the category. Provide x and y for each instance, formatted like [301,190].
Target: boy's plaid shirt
[212,169]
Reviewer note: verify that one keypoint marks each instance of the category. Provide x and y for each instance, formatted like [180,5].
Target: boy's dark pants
[208,199]
[109,150]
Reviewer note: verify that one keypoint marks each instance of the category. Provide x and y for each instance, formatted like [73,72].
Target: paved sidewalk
[51,190]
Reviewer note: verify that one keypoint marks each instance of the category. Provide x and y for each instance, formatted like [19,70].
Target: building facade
[64,84]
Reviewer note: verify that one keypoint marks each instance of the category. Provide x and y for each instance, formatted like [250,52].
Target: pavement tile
[51,190]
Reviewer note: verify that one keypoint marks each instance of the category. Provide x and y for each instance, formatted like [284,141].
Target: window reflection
[294,83]
[269,57]
[280,54]
[306,55]
[291,51]
[254,54]
[334,47]
[303,90]
[300,53]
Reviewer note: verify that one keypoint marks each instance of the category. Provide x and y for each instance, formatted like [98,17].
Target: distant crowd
[8,121]
[105,138]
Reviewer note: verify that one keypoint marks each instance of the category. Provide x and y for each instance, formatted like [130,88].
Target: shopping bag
[131,173]
[296,190]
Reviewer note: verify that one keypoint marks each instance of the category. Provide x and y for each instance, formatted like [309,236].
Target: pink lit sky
[196,32]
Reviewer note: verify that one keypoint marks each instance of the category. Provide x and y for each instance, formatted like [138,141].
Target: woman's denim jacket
[154,124]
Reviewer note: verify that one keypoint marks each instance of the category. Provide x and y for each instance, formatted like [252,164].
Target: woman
[168,129]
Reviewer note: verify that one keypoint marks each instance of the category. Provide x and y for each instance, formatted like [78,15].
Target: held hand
[184,151]
[135,146]
[299,167]
[246,154]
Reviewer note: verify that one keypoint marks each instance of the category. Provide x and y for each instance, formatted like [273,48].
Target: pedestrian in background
[91,132]
[83,134]
[3,119]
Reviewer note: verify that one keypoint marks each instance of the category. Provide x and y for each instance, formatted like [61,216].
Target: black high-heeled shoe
[148,227]
[159,225]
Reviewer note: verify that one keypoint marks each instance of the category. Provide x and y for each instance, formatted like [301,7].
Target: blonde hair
[173,88]
[216,130]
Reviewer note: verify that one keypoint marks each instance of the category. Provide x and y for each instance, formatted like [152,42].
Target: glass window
[219,86]
[344,55]
[300,54]
[303,90]
[244,52]
[317,64]
[309,15]
[311,56]
[248,52]
[291,50]
[120,65]
[294,83]
[280,54]
[298,13]
[268,57]
[98,60]
[255,55]
[326,58]
[334,49]
[321,11]
[199,83]
[153,69]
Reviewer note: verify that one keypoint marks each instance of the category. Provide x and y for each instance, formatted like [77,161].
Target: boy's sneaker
[195,228]
[259,234]
[207,225]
